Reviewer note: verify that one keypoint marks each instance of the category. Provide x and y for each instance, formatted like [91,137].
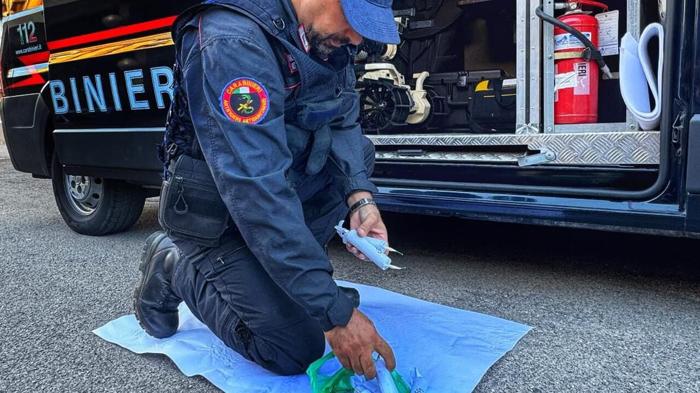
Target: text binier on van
[134,90]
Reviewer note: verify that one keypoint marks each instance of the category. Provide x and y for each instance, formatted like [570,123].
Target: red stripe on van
[34,58]
[111,33]
[33,80]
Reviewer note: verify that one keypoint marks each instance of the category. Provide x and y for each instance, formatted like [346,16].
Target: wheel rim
[84,193]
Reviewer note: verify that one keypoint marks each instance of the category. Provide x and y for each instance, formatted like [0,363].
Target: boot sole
[149,249]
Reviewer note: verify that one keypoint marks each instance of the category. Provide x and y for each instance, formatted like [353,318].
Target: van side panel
[25,116]
[25,54]
[110,83]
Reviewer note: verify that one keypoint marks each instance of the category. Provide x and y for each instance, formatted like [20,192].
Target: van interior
[492,92]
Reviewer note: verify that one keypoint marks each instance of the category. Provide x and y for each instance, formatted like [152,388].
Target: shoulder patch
[245,100]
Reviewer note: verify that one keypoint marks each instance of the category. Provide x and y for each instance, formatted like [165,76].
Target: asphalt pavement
[611,312]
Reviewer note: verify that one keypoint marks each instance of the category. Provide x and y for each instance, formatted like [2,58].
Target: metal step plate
[589,149]
[452,157]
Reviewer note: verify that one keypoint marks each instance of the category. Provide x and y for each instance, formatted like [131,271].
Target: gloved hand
[354,344]
[367,221]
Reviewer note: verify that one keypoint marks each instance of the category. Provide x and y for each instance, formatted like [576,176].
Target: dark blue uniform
[279,131]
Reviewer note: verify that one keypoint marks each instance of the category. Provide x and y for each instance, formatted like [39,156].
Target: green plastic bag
[341,380]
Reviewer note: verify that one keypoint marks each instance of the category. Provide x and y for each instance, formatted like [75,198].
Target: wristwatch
[361,203]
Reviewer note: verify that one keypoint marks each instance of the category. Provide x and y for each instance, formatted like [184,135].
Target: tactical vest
[321,89]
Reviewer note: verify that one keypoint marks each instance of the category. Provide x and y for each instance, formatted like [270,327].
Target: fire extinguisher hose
[590,53]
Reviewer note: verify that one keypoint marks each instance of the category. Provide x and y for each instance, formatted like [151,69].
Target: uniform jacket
[267,115]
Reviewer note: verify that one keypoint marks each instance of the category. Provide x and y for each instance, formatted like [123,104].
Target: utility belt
[190,204]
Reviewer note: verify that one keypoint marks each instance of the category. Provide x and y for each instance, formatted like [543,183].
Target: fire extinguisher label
[565,81]
[567,41]
[583,79]
[608,28]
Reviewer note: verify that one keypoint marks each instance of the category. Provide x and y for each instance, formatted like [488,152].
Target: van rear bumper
[25,133]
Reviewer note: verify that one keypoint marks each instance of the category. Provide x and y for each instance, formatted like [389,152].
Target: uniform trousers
[227,289]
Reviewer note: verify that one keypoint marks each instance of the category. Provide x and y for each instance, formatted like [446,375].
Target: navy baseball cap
[372,19]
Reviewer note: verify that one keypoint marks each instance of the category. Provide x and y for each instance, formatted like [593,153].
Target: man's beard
[321,44]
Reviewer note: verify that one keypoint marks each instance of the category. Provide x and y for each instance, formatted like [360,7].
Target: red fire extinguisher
[577,62]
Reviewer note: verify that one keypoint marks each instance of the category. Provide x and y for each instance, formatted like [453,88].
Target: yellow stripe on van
[113,48]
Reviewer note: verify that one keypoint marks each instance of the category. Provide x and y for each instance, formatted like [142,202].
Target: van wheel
[95,206]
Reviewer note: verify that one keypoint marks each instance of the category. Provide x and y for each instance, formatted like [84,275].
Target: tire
[94,206]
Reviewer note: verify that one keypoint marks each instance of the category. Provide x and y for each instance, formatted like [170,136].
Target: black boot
[155,303]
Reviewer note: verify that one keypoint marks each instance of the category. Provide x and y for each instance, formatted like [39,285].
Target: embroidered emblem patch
[245,100]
